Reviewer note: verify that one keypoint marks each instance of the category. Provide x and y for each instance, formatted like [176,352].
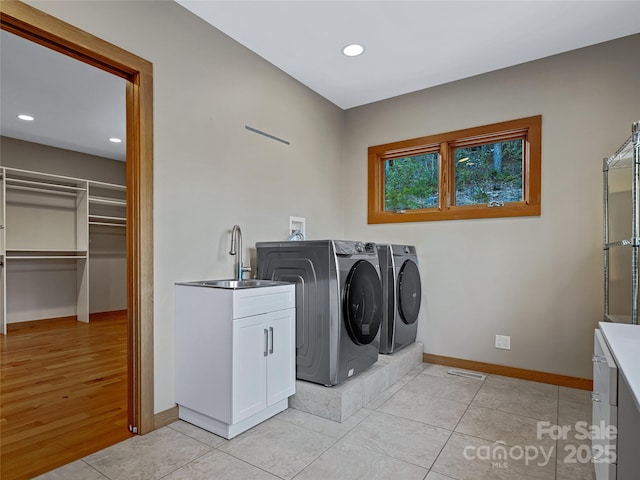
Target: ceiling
[76,106]
[409,46]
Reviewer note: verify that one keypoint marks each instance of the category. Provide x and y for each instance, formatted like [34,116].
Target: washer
[338,303]
[402,292]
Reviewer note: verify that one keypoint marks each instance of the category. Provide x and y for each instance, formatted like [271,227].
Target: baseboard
[96,316]
[164,418]
[535,376]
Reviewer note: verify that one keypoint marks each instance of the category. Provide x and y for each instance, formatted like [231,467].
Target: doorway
[36,26]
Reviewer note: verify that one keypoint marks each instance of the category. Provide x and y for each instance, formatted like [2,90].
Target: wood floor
[63,392]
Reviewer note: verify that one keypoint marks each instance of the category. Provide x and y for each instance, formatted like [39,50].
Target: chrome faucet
[236,249]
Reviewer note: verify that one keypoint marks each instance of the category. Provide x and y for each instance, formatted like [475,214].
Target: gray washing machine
[338,303]
[402,291]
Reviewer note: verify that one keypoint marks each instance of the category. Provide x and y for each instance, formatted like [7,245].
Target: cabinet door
[281,361]
[249,391]
[628,433]
[605,372]
[604,410]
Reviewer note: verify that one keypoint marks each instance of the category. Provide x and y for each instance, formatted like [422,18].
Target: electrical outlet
[503,342]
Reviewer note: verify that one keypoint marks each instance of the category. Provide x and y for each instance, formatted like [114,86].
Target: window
[482,172]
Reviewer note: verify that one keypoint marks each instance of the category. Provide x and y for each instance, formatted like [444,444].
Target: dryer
[402,291]
[338,303]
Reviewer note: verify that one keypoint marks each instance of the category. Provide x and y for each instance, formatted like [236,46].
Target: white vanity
[616,401]
[235,352]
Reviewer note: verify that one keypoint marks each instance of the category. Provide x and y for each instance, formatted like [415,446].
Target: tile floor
[428,426]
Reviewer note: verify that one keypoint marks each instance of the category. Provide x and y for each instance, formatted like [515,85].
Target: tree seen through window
[411,182]
[489,173]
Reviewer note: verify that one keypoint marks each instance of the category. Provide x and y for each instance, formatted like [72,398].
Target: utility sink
[233,284]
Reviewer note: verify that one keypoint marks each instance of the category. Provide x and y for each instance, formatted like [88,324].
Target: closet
[52,229]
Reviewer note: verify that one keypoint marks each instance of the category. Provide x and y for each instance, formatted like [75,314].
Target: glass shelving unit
[621,230]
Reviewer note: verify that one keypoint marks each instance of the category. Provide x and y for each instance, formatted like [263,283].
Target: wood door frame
[37,26]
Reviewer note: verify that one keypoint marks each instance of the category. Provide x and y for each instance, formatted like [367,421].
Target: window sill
[457,213]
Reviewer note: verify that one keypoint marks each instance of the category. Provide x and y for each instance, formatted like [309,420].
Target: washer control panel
[403,249]
[344,247]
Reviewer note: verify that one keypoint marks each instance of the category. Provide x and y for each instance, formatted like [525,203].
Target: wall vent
[268,135]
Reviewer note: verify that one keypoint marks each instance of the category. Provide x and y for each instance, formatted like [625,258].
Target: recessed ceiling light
[26,118]
[115,140]
[353,50]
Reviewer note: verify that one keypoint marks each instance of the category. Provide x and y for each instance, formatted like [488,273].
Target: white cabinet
[616,388]
[235,355]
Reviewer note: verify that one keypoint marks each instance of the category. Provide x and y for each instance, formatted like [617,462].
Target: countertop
[624,343]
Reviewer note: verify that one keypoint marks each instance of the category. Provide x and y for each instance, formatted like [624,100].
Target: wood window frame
[39,27]
[529,129]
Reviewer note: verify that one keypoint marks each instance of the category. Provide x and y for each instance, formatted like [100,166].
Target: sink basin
[234,284]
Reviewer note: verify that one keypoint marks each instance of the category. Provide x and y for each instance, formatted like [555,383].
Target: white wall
[209,172]
[536,279]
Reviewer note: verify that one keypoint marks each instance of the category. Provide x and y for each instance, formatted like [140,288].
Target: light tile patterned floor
[429,426]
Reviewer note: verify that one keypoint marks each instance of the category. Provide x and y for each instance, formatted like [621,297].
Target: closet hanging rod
[47,257]
[9,171]
[42,190]
[47,185]
[44,253]
[107,186]
[106,224]
[107,201]
[46,250]
[104,217]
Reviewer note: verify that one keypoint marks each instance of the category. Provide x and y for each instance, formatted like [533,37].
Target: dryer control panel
[345,247]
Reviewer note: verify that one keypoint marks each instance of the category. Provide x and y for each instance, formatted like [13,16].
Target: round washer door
[362,302]
[409,292]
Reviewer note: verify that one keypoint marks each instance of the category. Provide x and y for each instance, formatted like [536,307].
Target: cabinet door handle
[266,342]
[594,397]
[271,332]
[598,359]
